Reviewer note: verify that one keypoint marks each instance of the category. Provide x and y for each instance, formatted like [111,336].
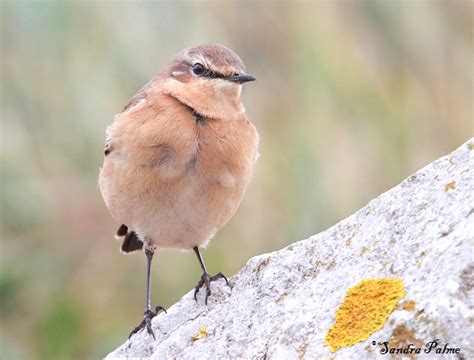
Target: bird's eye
[198,69]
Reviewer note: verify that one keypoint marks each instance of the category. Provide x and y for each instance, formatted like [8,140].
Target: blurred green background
[351,98]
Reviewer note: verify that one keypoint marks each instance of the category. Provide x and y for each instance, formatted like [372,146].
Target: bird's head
[209,79]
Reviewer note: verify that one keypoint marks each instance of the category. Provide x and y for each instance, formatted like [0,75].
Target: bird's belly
[179,213]
[192,211]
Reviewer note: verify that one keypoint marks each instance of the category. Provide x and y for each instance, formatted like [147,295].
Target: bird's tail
[131,242]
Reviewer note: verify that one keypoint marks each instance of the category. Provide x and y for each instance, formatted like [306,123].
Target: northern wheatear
[179,157]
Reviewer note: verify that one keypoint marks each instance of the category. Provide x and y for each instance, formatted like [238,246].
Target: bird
[178,159]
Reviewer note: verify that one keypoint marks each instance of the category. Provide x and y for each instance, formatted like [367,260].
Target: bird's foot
[206,281]
[146,322]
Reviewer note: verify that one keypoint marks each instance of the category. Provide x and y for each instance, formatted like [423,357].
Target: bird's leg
[205,277]
[149,313]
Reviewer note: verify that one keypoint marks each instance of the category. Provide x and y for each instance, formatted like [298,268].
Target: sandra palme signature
[431,347]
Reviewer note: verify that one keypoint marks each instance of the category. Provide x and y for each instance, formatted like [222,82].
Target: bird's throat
[200,119]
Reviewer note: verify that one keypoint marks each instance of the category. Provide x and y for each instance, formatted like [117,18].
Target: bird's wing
[149,147]
[138,99]
[154,130]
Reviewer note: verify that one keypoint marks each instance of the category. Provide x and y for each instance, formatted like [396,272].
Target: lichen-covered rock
[282,305]
[364,311]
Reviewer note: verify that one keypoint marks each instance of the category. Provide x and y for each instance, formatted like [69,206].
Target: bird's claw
[146,322]
[206,281]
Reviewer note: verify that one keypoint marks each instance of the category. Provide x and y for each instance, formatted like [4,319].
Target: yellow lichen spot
[201,334]
[450,186]
[364,311]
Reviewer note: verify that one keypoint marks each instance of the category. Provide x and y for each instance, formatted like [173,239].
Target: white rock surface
[281,305]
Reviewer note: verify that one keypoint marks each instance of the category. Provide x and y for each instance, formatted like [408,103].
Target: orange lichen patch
[409,305]
[402,337]
[364,311]
[450,186]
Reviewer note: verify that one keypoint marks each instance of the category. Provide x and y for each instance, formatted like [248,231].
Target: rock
[281,305]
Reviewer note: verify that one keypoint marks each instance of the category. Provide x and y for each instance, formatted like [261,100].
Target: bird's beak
[242,78]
